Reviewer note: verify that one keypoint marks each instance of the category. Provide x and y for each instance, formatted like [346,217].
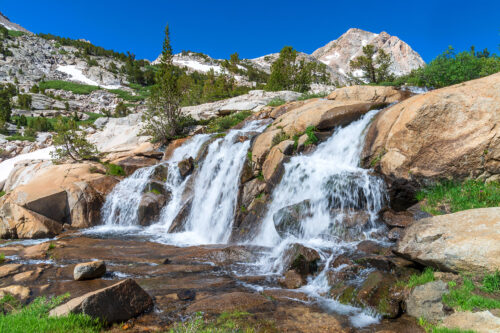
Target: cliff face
[4,20]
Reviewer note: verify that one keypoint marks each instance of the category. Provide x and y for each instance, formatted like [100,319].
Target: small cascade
[215,192]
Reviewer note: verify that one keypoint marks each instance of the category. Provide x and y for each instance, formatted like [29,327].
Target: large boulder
[89,270]
[301,259]
[117,303]
[150,207]
[465,242]
[480,322]
[52,196]
[425,301]
[373,94]
[446,133]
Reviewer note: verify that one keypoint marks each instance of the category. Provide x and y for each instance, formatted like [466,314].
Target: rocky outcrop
[446,133]
[89,270]
[52,196]
[338,53]
[372,94]
[480,322]
[425,301]
[465,242]
[117,303]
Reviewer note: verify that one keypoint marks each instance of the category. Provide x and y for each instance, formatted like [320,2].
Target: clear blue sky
[255,28]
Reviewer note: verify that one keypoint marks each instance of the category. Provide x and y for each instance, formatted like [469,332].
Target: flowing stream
[335,199]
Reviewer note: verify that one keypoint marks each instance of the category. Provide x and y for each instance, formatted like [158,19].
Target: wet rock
[132,163]
[466,241]
[376,292]
[301,259]
[89,270]
[180,220]
[480,322]
[186,167]
[160,173]
[186,295]
[172,146]
[38,251]
[300,318]
[425,301]
[235,301]
[395,234]
[9,269]
[397,219]
[27,275]
[150,207]
[251,190]
[247,225]
[166,261]
[272,169]
[287,220]
[119,302]
[417,212]
[291,280]
[371,247]
[229,255]
[156,187]
[19,292]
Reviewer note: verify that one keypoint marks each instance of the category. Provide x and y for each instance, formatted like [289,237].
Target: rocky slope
[4,20]
[338,53]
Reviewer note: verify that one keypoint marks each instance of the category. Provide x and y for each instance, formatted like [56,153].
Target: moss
[348,295]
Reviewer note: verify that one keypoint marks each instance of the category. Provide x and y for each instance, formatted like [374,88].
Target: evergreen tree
[163,118]
[375,68]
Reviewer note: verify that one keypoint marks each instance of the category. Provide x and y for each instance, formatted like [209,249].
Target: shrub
[311,137]
[2,256]
[121,110]
[419,279]
[114,170]
[460,196]
[2,193]
[72,143]
[276,102]
[19,137]
[491,282]
[222,124]
[279,137]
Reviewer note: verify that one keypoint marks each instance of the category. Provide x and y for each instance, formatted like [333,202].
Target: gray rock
[480,322]
[425,301]
[119,302]
[89,270]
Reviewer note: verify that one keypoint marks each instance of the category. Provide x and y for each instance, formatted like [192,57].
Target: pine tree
[163,119]
[375,69]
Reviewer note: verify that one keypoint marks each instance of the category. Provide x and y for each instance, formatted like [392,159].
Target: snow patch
[7,165]
[76,74]
[197,66]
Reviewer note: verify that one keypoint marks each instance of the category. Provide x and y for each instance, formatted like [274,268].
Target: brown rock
[19,292]
[131,163]
[446,133]
[186,167]
[150,207]
[235,301]
[480,322]
[397,219]
[9,269]
[38,251]
[373,94]
[273,165]
[117,303]
[89,270]
[172,146]
[291,280]
[302,259]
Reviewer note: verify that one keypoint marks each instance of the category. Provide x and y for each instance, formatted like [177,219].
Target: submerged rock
[89,270]
[186,167]
[117,303]
[287,220]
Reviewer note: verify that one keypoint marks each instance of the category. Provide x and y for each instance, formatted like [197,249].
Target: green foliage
[451,68]
[280,137]
[52,246]
[289,74]
[430,328]
[76,88]
[276,102]
[491,282]
[463,298]
[222,124]
[14,33]
[72,143]
[7,91]
[2,256]
[19,137]
[121,110]
[311,137]
[307,96]
[460,196]
[24,101]
[419,279]
[34,318]
[125,95]
[114,170]
[374,65]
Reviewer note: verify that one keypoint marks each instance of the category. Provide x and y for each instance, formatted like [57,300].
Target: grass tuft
[460,196]
[222,124]
[34,318]
[114,170]
[491,282]
[276,102]
[419,279]
[463,299]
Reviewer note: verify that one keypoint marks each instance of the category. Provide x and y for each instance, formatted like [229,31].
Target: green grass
[2,193]
[306,96]
[126,96]
[2,258]
[491,282]
[76,88]
[419,279]
[227,322]
[429,328]
[34,318]
[114,170]
[279,137]
[462,298]
[222,124]
[460,196]
[276,102]
[20,137]
[13,33]
[311,137]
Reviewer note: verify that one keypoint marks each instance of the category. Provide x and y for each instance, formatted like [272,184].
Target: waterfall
[215,192]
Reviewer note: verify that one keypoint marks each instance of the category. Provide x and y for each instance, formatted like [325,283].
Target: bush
[459,196]
[311,137]
[72,143]
[491,282]
[76,88]
[121,110]
[35,318]
[222,124]
[114,170]
[276,102]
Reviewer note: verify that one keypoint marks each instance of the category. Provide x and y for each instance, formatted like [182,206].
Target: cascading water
[215,191]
